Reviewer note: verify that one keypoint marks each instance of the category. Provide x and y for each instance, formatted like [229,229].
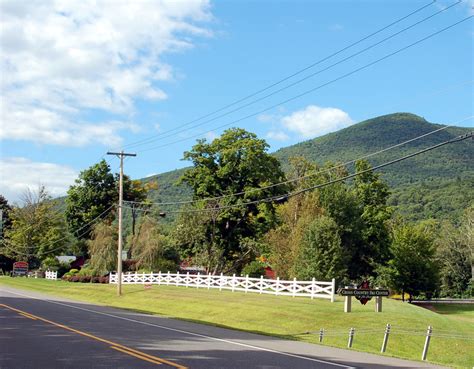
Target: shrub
[95,279]
[84,278]
[254,270]
[104,279]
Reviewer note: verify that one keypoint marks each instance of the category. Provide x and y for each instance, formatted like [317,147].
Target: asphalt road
[38,331]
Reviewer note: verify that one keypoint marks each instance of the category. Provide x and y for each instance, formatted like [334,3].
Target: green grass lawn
[461,312]
[289,317]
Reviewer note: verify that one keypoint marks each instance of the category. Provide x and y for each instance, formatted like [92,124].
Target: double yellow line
[112,345]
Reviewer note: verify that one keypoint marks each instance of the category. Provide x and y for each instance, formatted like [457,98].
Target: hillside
[438,184]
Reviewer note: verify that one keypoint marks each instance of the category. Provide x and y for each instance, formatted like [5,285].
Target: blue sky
[80,79]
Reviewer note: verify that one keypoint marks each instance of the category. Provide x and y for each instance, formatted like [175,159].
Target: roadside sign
[20,268]
[362,293]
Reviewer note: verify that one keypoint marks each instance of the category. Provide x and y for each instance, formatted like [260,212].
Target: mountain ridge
[413,181]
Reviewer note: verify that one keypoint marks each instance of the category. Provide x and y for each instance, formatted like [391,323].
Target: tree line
[246,215]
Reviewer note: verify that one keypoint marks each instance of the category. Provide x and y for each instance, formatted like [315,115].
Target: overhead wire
[317,87]
[162,136]
[287,77]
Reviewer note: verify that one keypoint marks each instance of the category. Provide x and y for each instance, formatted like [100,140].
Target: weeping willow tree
[103,248]
[150,247]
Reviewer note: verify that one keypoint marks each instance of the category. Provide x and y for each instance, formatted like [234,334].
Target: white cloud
[315,121]
[277,135]
[60,59]
[19,174]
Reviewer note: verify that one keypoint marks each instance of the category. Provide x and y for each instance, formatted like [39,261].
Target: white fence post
[277,286]
[187,279]
[177,278]
[159,278]
[246,283]
[312,288]
[294,287]
[233,282]
[198,278]
[260,287]
[333,290]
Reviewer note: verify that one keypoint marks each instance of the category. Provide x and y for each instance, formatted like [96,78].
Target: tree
[151,249]
[237,162]
[372,194]
[320,254]
[194,237]
[454,258]
[103,248]
[413,268]
[5,210]
[468,231]
[285,241]
[37,229]
[95,191]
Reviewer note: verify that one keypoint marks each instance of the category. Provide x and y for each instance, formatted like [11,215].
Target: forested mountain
[436,184]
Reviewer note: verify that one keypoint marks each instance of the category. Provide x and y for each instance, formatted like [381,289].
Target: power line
[162,136]
[298,192]
[285,78]
[317,87]
[307,175]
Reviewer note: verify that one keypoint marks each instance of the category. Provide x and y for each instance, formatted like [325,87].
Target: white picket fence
[313,289]
[51,275]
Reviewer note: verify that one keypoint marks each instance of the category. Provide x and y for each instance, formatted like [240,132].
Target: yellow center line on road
[135,355]
[113,345]
[28,316]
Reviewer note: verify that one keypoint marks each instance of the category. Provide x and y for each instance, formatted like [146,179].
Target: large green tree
[413,268]
[454,258]
[234,163]
[372,194]
[94,192]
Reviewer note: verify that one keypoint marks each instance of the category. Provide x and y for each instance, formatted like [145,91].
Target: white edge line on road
[189,333]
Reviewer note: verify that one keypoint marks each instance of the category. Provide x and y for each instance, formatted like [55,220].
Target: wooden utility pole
[121,155]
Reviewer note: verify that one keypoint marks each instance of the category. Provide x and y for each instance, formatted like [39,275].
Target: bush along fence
[313,289]
[389,330]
